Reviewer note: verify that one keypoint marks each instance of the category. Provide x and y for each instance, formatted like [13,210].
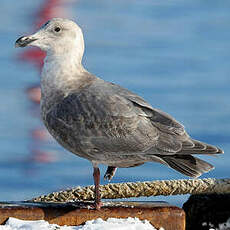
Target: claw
[110,172]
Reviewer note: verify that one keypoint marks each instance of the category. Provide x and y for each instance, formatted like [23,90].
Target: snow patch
[98,224]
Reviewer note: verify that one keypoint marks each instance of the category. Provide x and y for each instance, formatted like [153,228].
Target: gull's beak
[24,41]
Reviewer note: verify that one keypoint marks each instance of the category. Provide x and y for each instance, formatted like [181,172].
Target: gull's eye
[57,29]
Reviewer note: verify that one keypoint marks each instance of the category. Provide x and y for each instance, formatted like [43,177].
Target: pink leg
[96,177]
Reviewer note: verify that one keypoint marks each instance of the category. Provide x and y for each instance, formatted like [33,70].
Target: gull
[101,121]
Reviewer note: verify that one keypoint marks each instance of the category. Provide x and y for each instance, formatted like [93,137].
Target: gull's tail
[189,165]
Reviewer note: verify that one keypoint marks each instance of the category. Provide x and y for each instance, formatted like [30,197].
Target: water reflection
[39,135]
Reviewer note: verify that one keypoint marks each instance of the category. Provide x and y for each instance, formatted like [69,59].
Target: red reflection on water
[41,135]
[40,156]
[48,10]
[33,55]
[51,9]
[34,93]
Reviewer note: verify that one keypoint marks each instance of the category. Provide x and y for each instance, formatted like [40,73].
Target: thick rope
[148,188]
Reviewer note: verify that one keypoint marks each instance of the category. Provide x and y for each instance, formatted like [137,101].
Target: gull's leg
[110,172]
[96,177]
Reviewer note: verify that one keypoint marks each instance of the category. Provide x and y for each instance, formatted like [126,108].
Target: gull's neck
[67,62]
[60,70]
[61,74]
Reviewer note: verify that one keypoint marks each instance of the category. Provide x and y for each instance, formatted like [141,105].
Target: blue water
[174,53]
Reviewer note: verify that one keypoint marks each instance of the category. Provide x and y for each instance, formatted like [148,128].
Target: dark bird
[101,121]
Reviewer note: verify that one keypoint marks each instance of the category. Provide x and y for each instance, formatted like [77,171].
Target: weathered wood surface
[159,214]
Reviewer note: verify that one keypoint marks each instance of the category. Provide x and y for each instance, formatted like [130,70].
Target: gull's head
[57,36]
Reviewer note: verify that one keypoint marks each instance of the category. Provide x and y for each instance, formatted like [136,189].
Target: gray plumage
[104,122]
[108,124]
